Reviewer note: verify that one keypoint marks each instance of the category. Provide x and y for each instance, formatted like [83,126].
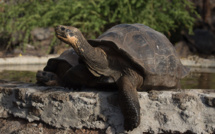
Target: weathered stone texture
[184,111]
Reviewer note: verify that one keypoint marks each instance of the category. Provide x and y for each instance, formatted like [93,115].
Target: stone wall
[173,111]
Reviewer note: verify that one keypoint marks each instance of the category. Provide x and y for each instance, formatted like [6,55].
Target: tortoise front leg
[129,103]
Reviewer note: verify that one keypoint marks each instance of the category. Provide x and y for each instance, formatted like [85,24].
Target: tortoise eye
[62,28]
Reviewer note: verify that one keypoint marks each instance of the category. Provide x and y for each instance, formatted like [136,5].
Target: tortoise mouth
[59,32]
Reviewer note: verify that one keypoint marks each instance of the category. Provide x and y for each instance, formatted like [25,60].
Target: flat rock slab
[171,111]
[192,61]
[26,60]
[196,61]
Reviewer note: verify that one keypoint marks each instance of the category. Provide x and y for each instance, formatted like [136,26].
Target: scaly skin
[129,103]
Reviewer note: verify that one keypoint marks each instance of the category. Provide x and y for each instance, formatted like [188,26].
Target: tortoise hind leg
[129,103]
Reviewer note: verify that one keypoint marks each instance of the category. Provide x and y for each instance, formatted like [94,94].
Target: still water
[198,78]
[22,73]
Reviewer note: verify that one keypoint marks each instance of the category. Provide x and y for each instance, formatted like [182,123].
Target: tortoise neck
[82,47]
[94,57]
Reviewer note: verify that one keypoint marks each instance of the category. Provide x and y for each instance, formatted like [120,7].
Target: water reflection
[21,73]
[198,78]
[21,76]
[204,81]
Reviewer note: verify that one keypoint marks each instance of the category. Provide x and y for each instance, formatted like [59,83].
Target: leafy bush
[93,17]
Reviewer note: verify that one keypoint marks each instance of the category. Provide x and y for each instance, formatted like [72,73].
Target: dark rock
[204,41]
[210,101]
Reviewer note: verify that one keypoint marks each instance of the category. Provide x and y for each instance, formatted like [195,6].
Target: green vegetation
[95,16]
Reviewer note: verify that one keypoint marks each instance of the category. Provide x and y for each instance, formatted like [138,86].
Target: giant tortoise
[133,56]
[55,69]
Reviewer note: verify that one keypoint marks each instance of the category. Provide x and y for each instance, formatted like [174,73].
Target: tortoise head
[87,53]
[68,34]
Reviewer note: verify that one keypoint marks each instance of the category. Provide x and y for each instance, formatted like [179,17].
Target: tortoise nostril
[67,30]
[71,34]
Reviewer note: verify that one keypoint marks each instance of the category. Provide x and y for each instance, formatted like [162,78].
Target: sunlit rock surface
[184,111]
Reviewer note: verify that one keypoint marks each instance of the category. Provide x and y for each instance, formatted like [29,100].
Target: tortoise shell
[61,64]
[148,50]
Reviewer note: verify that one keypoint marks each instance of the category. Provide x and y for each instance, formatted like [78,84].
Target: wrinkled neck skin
[94,57]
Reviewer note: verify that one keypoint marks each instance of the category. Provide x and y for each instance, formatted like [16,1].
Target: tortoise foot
[132,118]
[131,123]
